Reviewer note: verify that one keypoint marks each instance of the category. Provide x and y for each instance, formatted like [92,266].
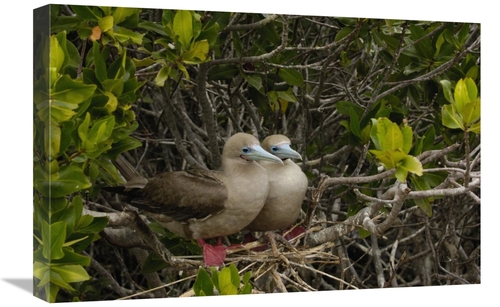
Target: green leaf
[354,124]
[291,76]
[113,86]
[68,180]
[429,137]
[97,225]
[121,146]
[40,270]
[154,27]
[421,184]
[83,222]
[122,13]
[56,279]
[401,174]
[100,68]
[461,95]
[183,27]
[197,53]
[389,158]
[471,112]
[226,283]
[52,139]
[162,75]
[223,72]
[254,80]
[72,91]
[101,130]
[447,90]
[407,138]
[473,72]
[287,95]
[215,277]
[153,263]
[84,12]
[56,56]
[122,69]
[476,128]
[393,136]
[471,88]
[345,107]
[423,44]
[53,237]
[72,258]
[71,273]
[62,111]
[235,276]
[182,68]
[83,130]
[112,103]
[411,164]
[374,134]
[54,205]
[106,23]
[451,118]
[343,33]
[210,34]
[124,35]
[203,284]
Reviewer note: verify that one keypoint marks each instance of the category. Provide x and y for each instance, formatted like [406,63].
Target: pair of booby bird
[258,188]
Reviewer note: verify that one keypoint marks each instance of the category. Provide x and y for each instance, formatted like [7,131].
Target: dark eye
[274,148]
[245,150]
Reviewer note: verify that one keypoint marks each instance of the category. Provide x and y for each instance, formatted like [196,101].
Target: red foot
[213,255]
[294,233]
[250,238]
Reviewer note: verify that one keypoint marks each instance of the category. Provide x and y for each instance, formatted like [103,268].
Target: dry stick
[256,58]
[394,272]
[363,217]
[154,289]
[153,280]
[153,242]
[388,72]
[467,159]
[377,261]
[182,112]
[106,275]
[177,105]
[334,232]
[323,273]
[208,113]
[251,26]
[251,112]
[277,279]
[435,72]
[454,276]
[171,122]
[298,282]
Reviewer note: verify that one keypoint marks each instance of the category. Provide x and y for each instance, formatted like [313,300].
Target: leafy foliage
[82,119]
[226,282]
[465,108]
[392,147]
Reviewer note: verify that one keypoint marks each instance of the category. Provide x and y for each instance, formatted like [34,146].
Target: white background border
[16,149]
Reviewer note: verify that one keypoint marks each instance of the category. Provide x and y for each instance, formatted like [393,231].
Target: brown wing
[184,195]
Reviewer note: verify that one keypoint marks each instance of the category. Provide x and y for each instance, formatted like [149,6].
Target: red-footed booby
[203,204]
[288,187]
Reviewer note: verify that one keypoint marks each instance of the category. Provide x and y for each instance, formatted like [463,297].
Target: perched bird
[288,186]
[203,204]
